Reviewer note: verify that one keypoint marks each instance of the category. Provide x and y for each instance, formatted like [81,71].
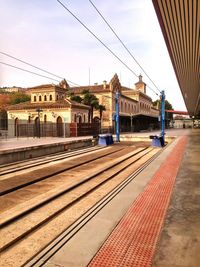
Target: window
[40,98]
[50,97]
[29,119]
[45,118]
[74,117]
[57,97]
[45,98]
[34,99]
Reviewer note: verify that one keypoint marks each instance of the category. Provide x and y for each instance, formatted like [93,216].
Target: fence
[49,129]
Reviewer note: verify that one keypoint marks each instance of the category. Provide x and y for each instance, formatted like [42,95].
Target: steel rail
[26,183]
[42,257]
[4,221]
[41,160]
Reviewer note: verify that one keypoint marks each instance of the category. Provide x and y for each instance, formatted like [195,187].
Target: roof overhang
[180,24]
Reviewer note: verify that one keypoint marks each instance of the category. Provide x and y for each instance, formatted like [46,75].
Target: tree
[19,97]
[157,104]
[168,106]
[101,108]
[90,100]
[4,100]
[76,98]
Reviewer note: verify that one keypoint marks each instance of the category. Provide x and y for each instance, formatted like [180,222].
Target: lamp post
[39,110]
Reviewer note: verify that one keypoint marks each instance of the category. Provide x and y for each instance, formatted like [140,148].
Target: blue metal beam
[162,97]
[117,118]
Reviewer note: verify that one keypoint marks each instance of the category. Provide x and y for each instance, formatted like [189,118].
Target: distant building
[48,105]
[180,119]
[13,89]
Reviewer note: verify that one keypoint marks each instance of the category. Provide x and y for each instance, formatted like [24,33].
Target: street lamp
[39,110]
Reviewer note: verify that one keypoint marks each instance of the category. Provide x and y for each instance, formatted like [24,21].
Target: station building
[48,107]
[135,106]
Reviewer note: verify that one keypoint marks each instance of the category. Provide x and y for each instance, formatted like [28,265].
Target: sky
[44,34]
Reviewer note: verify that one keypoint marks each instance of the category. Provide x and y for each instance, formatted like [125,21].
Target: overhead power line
[28,71]
[100,41]
[29,64]
[96,37]
[123,44]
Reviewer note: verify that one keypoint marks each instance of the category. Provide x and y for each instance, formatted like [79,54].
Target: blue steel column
[117,118]
[163,114]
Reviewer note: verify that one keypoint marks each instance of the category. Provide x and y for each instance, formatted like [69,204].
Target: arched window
[57,97]
[29,119]
[40,98]
[45,118]
[125,107]
[121,106]
[34,98]
[74,117]
[45,98]
[50,97]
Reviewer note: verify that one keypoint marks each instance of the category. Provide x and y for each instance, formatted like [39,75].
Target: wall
[19,154]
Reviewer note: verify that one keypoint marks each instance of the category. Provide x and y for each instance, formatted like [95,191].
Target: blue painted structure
[117,118]
[105,139]
[162,97]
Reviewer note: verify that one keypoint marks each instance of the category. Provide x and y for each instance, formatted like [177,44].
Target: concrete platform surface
[15,143]
[177,242]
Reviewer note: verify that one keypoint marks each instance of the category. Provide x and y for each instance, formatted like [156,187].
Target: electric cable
[123,44]
[96,37]
[28,71]
[20,60]
[100,41]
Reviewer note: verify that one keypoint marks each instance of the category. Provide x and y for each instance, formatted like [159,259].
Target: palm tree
[90,100]
[76,98]
[101,108]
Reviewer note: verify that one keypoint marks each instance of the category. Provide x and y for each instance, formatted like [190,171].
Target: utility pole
[117,117]
[162,97]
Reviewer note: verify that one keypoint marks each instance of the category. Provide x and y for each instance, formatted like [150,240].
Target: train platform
[27,142]
[153,221]
[17,149]
[19,143]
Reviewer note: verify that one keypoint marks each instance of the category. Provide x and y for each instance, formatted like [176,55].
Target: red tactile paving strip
[133,241]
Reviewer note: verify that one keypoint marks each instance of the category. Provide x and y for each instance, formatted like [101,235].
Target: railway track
[39,212]
[27,164]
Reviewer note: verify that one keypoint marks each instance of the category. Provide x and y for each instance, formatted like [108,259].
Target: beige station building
[135,106]
[49,105]
[47,111]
